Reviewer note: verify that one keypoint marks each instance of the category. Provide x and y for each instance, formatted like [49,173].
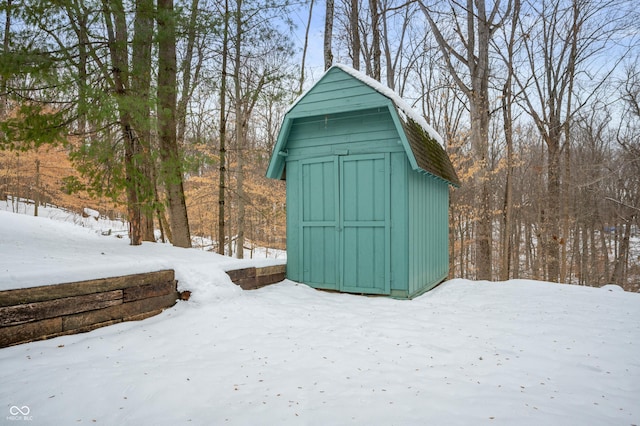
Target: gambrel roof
[343,89]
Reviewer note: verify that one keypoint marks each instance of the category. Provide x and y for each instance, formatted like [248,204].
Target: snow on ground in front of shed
[59,246]
[519,352]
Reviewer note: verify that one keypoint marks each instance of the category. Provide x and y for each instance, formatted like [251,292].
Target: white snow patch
[91,213]
[37,251]
[612,287]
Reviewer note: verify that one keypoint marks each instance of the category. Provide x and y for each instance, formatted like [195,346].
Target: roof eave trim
[276,162]
[403,137]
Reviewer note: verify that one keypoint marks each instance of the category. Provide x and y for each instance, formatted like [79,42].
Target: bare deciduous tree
[475,40]
[328,34]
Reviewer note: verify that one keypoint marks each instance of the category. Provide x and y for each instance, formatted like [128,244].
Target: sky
[315,51]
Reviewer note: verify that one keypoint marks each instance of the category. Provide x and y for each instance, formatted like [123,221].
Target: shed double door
[345,229]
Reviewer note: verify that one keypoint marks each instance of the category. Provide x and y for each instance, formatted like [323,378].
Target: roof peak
[399,102]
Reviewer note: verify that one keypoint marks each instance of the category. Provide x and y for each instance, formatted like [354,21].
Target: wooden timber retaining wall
[49,311]
[254,278]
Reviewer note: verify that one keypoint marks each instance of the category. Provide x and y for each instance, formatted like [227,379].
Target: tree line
[537,101]
[128,87]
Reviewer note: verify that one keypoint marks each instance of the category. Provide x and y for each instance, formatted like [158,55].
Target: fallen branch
[621,203]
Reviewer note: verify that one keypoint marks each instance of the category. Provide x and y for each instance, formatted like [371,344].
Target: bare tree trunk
[574,265]
[620,262]
[230,239]
[469,255]
[223,131]
[165,229]
[508,196]
[392,63]
[116,23]
[480,120]
[474,56]
[452,242]
[507,104]
[169,153]
[141,89]
[604,254]
[566,191]
[328,35]
[355,34]
[240,132]
[187,73]
[571,70]
[6,44]
[36,198]
[551,220]
[460,255]
[576,248]
[597,278]
[165,232]
[241,206]
[304,49]
[537,258]
[375,39]
[517,240]
[585,254]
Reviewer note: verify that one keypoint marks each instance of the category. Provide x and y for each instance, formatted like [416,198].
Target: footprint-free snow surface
[467,353]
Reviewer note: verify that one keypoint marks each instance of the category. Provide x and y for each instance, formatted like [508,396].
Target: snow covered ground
[59,246]
[466,353]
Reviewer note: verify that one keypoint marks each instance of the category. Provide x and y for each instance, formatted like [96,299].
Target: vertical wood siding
[428,235]
[319,221]
[364,223]
[399,223]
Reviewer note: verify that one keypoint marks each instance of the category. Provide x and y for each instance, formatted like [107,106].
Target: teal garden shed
[367,189]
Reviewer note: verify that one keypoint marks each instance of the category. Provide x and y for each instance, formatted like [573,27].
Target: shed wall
[293,222]
[367,131]
[399,224]
[342,136]
[429,231]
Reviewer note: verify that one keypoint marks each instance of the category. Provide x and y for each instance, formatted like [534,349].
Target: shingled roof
[429,154]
